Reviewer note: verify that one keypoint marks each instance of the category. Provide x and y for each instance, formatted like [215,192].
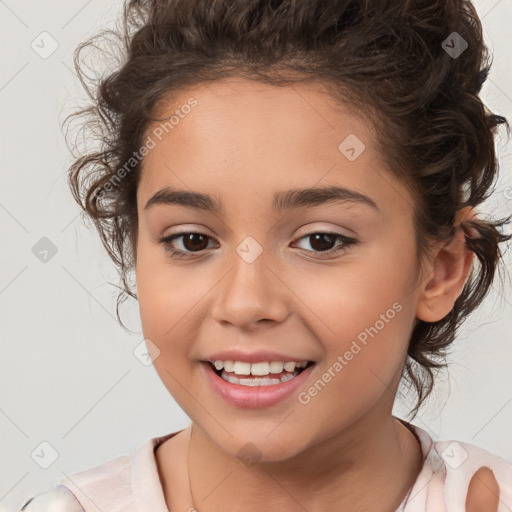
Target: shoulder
[462,461]
[104,486]
[127,483]
[454,466]
[59,499]
[101,486]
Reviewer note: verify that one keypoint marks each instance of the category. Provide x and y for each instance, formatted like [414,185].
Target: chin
[257,446]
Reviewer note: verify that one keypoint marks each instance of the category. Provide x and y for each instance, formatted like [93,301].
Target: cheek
[363,359]
[342,302]
[165,298]
[173,302]
[161,287]
[363,314]
[165,302]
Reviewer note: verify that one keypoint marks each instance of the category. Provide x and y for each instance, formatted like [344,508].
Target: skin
[242,142]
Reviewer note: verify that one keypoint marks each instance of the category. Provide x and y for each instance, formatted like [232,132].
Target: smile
[260,373]
[250,391]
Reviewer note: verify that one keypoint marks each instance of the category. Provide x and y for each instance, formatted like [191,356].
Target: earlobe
[447,274]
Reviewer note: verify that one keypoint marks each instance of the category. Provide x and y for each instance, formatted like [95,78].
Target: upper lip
[253,357]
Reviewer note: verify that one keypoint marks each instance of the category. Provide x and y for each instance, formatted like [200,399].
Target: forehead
[259,138]
[302,117]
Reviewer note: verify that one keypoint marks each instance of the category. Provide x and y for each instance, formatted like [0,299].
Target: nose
[251,293]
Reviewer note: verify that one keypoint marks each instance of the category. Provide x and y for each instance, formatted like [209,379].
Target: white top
[130,483]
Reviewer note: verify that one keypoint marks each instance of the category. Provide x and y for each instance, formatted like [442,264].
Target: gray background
[68,373]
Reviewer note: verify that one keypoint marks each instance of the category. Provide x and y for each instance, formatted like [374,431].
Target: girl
[295,185]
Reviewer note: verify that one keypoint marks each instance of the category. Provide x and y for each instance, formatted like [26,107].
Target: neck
[361,468]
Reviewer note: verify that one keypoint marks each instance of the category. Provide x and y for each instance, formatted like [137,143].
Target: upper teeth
[263,368]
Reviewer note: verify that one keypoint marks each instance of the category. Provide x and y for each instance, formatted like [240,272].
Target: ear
[447,273]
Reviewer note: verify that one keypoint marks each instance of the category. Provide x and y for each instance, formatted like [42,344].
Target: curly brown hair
[389,60]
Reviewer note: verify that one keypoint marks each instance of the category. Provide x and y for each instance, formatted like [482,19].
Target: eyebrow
[283,200]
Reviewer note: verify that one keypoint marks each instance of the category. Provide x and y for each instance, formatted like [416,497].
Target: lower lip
[252,397]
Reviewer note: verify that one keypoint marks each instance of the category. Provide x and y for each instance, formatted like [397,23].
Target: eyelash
[178,253]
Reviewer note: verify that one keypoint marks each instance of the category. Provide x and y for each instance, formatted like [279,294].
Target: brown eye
[322,241]
[326,243]
[195,241]
[191,242]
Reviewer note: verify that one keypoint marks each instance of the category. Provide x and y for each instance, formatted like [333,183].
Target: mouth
[254,386]
[270,379]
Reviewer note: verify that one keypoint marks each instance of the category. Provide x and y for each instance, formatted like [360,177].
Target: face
[329,279]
